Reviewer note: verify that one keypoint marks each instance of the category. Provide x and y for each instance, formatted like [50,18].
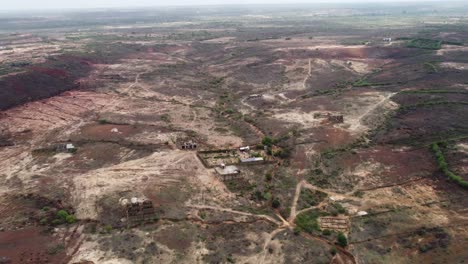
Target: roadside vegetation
[443,166]
[422,43]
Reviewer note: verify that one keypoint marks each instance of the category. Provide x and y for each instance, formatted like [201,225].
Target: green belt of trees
[443,166]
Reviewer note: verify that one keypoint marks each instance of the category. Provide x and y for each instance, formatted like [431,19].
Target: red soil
[57,73]
[103,132]
[30,245]
[330,137]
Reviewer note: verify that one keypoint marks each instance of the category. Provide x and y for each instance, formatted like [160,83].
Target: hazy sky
[59,4]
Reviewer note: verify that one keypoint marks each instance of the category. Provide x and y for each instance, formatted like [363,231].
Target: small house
[70,147]
[65,148]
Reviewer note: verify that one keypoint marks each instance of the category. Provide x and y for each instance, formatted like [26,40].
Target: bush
[276,203]
[284,153]
[326,232]
[107,229]
[57,222]
[267,141]
[342,240]
[43,221]
[62,214]
[333,251]
[296,230]
[71,219]
[62,217]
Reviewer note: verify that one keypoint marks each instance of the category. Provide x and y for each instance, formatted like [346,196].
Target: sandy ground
[454,65]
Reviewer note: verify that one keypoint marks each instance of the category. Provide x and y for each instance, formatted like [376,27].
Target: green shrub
[276,203]
[103,121]
[296,230]
[326,232]
[70,219]
[108,229]
[57,222]
[342,240]
[43,221]
[267,141]
[62,215]
[339,208]
[283,153]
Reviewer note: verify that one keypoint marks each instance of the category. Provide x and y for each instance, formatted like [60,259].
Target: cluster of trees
[424,43]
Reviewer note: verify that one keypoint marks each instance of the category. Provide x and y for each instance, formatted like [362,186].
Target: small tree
[268,176]
[276,203]
[342,240]
[267,141]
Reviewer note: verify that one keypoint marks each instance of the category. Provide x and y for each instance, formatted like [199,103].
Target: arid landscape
[322,133]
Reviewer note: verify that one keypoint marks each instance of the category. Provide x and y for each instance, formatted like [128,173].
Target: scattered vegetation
[276,203]
[430,67]
[308,222]
[103,121]
[364,83]
[166,118]
[55,249]
[63,217]
[268,141]
[434,92]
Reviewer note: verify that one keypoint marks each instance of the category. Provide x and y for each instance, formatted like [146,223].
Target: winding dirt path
[268,240]
[229,210]
[309,73]
[292,215]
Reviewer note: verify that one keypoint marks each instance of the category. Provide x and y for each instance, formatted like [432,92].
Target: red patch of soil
[30,245]
[43,80]
[104,132]
[403,163]
[57,73]
[330,137]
